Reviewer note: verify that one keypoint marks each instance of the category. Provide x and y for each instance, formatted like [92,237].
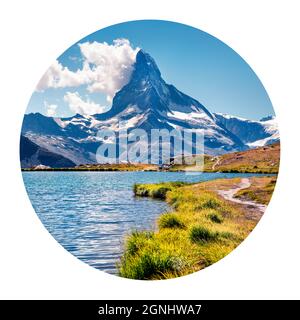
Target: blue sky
[192,60]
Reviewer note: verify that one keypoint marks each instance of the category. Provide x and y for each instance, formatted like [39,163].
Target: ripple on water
[89,213]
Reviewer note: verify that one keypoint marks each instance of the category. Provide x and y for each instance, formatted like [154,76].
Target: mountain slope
[261,159]
[148,91]
[258,160]
[32,155]
[252,133]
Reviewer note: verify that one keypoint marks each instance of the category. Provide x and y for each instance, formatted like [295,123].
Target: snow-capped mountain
[252,133]
[146,102]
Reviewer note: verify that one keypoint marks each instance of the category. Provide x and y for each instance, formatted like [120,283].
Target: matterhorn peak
[145,65]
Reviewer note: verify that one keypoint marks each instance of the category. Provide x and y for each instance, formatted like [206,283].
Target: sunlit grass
[158,191]
[170,220]
[202,229]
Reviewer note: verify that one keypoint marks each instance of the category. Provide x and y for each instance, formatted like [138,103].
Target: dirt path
[216,163]
[254,209]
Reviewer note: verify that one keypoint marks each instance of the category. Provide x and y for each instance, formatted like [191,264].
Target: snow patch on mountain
[252,133]
[187,116]
[229,117]
[263,142]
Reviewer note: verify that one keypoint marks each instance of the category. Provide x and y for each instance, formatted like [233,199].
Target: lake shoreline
[131,170]
[90,214]
[263,160]
[202,227]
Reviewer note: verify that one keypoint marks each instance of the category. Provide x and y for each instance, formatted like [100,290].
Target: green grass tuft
[211,204]
[137,241]
[199,234]
[215,217]
[158,191]
[148,265]
[170,220]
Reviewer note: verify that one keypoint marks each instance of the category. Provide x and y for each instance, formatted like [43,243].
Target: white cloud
[113,65]
[58,76]
[78,105]
[106,68]
[50,109]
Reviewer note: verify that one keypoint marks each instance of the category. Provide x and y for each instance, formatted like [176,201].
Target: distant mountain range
[146,102]
[251,133]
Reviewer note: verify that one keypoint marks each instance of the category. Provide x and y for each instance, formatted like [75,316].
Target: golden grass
[263,159]
[202,229]
[260,160]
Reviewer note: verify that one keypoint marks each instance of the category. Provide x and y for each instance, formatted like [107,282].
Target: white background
[33,265]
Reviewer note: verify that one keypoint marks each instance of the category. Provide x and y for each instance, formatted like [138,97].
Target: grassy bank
[260,160]
[158,191]
[202,229]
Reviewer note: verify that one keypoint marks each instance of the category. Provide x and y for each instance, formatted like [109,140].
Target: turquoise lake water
[89,213]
